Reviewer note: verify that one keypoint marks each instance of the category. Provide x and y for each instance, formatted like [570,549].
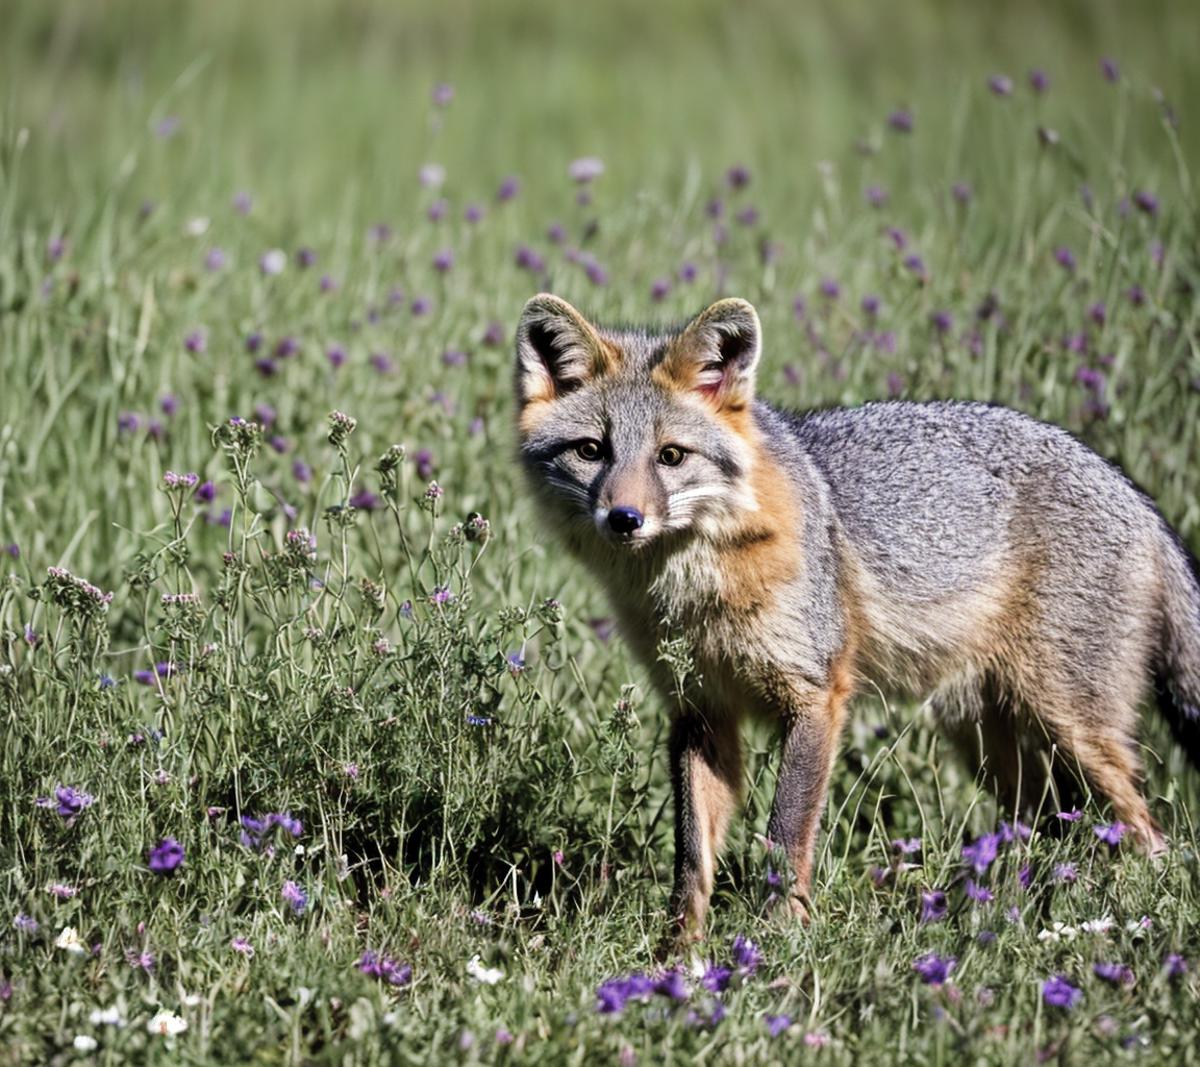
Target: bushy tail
[1178,681]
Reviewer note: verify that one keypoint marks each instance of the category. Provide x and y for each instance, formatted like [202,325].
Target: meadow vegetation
[315,748]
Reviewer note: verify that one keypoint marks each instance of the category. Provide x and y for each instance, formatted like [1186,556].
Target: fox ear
[717,353]
[557,350]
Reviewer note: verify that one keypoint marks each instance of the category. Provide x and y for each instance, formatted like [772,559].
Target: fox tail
[1177,680]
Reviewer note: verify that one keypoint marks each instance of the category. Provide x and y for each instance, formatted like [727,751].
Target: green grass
[434,781]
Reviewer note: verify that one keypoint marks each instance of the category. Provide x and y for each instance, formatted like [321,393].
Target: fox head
[634,438]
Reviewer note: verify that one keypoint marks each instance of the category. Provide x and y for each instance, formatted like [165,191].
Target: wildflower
[61,891]
[816,1039]
[671,984]
[294,897]
[1097,926]
[1110,833]
[1109,68]
[166,857]
[486,975]
[1058,992]
[1065,872]
[934,969]
[1039,81]
[1065,258]
[167,1024]
[830,289]
[1058,932]
[933,905]
[215,260]
[84,1043]
[241,945]
[508,189]
[1136,295]
[143,961]
[421,305]
[272,261]
[1074,815]
[907,847]
[383,967]
[441,595]
[660,289]
[941,321]
[746,955]
[70,941]
[431,175]
[586,169]
[106,1017]
[1116,973]
[777,1024]
[982,852]
[1175,965]
[71,801]
[715,978]
[196,342]
[1000,85]
[961,191]
[612,995]
[875,195]
[25,924]
[978,893]
[1146,202]
[327,284]
[901,121]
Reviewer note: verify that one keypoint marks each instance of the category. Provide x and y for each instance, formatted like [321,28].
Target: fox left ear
[557,350]
[717,354]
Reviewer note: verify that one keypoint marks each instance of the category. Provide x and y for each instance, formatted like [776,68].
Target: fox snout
[624,520]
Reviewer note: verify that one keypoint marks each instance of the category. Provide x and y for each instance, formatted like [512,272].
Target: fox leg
[706,773]
[809,746]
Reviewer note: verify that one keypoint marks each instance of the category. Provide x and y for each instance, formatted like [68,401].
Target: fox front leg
[810,741]
[706,774]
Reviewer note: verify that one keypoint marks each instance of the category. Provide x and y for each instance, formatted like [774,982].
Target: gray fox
[957,551]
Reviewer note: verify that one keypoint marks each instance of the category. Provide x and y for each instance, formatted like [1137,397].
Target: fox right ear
[557,350]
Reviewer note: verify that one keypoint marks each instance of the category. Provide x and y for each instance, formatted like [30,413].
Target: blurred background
[328,104]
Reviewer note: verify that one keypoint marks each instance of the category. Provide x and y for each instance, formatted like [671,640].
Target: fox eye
[588,450]
[671,456]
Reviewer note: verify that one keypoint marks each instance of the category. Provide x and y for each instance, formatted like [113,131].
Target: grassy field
[312,741]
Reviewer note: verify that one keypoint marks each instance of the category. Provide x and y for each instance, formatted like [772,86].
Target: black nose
[624,520]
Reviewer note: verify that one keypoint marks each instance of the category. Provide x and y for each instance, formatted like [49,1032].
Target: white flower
[70,940]
[273,261]
[196,227]
[167,1023]
[1098,926]
[1136,925]
[585,169]
[487,975]
[432,175]
[85,1043]
[1058,932]
[106,1017]
[192,999]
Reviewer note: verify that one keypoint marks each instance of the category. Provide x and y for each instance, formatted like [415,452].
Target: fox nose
[624,520]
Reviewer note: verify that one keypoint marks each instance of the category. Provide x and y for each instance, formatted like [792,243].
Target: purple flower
[915,265]
[1109,68]
[1175,965]
[28,925]
[1146,202]
[1059,993]
[1110,833]
[660,289]
[906,846]
[382,362]
[508,189]
[494,334]
[306,258]
[830,289]
[71,801]
[748,215]
[961,191]
[421,305]
[776,1024]
[746,955]
[934,969]
[1116,973]
[715,978]
[437,210]
[242,202]
[301,471]
[688,272]
[941,321]
[614,994]
[737,177]
[205,493]
[1064,872]
[1136,295]
[1000,85]
[388,970]
[933,905]
[327,283]
[365,500]
[870,305]
[901,121]
[294,897]
[286,347]
[215,260]
[1065,258]
[166,857]
[1039,81]
[978,893]
[167,127]
[442,94]
[196,342]
[56,248]
[671,984]
[875,195]
[982,852]
[426,468]
[441,595]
